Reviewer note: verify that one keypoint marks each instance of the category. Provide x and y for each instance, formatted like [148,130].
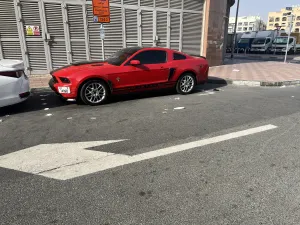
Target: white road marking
[178,108]
[46,109]
[70,160]
[49,114]
[207,93]
[50,157]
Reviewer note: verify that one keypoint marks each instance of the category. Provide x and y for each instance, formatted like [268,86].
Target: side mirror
[135,62]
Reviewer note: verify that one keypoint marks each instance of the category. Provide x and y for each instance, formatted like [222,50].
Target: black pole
[235,26]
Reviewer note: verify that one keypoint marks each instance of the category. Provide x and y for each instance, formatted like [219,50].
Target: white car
[14,84]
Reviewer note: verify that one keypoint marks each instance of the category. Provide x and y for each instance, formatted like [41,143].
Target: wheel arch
[82,82]
[189,72]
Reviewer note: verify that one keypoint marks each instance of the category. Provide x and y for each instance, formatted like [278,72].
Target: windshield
[282,40]
[259,41]
[121,56]
[244,40]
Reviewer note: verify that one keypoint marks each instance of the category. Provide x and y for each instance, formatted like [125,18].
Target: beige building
[280,19]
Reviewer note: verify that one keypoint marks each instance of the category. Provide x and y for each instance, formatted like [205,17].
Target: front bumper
[53,84]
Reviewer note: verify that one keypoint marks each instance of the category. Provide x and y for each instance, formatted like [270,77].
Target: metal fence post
[22,37]
[1,53]
[86,31]
[64,9]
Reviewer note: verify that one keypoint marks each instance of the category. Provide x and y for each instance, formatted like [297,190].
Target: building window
[239,29]
[298,17]
[283,18]
[271,24]
[271,19]
[246,24]
[240,24]
[276,24]
[298,24]
[283,24]
[297,30]
[277,19]
[245,29]
[250,28]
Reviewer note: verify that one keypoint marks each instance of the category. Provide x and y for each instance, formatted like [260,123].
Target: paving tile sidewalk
[253,74]
[39,81]
[257,74]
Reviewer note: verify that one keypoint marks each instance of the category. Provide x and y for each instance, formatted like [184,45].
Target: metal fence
[47,34]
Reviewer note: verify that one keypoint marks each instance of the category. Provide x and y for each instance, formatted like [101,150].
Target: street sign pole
[291,18]
[102,36]
[101,11]
[287,46]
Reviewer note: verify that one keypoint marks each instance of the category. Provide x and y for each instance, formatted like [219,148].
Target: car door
[152,69]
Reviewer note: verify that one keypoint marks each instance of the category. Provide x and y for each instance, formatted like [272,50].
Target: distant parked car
[129,70]
[14,84]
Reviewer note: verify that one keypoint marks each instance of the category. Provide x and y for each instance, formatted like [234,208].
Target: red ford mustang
[129,70]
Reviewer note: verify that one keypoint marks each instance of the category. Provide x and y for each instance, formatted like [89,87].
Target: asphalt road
[252,179]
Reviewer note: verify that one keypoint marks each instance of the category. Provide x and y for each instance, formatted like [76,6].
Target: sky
[261,7]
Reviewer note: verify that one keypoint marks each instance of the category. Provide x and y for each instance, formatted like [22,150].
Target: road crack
[59,167]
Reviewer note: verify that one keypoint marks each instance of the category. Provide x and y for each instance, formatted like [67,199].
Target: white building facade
[246,24]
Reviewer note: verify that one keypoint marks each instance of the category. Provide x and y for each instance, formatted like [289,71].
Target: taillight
[14,74]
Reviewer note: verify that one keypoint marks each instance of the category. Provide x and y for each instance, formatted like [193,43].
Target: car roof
[156,48]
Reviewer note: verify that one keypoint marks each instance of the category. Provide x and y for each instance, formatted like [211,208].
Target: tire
[94,92]
[188,79]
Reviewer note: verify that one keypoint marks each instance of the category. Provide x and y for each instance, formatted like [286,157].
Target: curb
[40,89]
[253,83]
[270,58]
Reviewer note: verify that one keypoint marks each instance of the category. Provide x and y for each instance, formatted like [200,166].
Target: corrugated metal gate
[68,33]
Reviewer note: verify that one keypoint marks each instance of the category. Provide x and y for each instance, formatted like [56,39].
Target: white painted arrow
[70,160]
[44,158]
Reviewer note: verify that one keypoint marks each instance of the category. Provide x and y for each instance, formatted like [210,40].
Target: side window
[268,40]
[177,56]
[151,57]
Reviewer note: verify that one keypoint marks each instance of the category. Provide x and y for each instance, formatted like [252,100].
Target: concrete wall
[216,25]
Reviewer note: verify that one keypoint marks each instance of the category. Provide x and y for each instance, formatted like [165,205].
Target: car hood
[74,69]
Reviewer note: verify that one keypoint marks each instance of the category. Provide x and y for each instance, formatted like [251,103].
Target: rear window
[177,56]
